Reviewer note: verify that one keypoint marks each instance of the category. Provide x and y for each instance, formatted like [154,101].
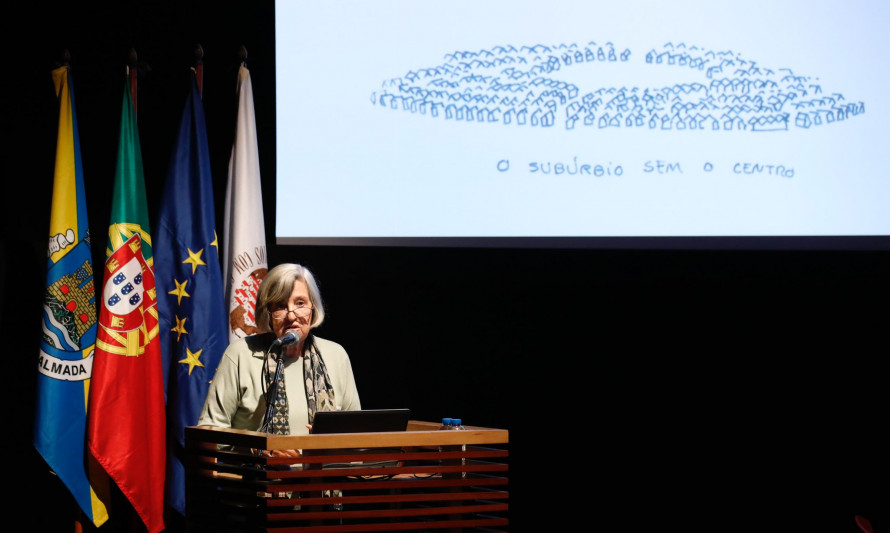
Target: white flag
[244,250]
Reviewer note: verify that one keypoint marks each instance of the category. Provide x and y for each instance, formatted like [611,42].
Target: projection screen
[577,123]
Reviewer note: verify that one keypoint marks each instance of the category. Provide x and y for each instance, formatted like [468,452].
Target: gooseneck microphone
[290,337]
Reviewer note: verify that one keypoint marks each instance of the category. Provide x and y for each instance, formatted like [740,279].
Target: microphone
[290,337]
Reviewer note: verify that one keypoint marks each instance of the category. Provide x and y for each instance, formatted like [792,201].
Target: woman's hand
[276,453]
[284,453]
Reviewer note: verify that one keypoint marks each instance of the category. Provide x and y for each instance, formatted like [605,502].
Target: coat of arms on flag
[128,316]
[242,317]
[69,309]
[69,315]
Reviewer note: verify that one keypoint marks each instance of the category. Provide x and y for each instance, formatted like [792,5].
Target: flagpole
[131,71]
[199,68]
[128,518]
[192,323]
[79,516]
[66,59]
[134,521]
[244,249]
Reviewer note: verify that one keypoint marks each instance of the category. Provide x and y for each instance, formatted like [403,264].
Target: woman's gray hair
[277,287]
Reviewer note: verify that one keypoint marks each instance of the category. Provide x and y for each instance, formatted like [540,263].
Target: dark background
[690,389]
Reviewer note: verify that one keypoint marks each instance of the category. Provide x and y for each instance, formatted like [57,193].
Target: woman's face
[295,313]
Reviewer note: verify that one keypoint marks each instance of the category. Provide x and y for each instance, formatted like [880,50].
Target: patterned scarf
[319,391]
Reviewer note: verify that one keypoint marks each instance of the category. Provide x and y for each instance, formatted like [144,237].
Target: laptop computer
[361,421]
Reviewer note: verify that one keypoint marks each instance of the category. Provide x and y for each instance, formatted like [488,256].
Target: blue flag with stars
[194,331]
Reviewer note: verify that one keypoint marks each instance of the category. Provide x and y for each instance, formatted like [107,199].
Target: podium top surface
[418,433]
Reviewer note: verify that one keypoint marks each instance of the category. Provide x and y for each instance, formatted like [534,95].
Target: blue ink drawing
[523,87]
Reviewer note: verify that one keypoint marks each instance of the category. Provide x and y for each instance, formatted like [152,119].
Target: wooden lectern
[414,480]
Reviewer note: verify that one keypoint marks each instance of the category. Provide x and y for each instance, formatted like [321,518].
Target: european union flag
[194,330]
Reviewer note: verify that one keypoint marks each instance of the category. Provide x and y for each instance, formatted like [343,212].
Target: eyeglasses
[297,312]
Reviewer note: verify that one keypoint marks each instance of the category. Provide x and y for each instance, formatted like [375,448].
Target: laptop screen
[361,421]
